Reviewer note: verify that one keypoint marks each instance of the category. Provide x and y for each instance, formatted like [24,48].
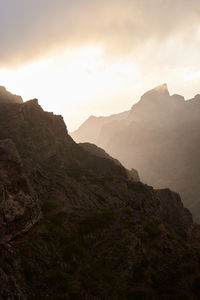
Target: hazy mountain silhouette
[160,137]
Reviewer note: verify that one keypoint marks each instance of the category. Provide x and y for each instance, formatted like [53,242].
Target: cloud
[30,29]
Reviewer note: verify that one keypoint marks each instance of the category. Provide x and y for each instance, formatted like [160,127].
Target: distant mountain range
[160,137]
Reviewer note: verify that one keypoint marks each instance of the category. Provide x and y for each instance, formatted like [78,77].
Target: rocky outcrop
[160,93]
[133,175]
[19,208]
[33,131]
[174,215]
[7,97]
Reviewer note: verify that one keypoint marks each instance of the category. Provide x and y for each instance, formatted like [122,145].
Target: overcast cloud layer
[141,44]
[29,29]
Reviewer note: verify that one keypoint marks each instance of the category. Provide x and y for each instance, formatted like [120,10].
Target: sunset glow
[66,80]
[97,58]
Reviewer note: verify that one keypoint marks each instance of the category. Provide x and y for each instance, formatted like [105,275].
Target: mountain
[160,137]
[75,225]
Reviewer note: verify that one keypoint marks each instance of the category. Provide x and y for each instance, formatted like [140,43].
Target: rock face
[160,138]
[133,175]
[18,205]
[174,215]
[102,234]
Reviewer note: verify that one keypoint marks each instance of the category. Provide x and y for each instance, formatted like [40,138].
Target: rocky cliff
[101,235]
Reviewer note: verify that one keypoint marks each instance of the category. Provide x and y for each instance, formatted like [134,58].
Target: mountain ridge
[99,233]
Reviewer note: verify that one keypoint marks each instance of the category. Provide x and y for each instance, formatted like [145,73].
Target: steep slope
[101,235]
[160,137]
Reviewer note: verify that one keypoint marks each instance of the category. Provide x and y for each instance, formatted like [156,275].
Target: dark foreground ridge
[75,224]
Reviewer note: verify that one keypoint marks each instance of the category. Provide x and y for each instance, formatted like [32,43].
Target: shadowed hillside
[75,225]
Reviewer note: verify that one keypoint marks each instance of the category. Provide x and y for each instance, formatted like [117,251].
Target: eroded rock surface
[19,208]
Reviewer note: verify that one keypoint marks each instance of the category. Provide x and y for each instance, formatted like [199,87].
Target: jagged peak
[7,97]
[160,91]
[161,88]
[33,101]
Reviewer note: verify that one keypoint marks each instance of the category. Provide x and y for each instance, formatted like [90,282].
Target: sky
[97,57]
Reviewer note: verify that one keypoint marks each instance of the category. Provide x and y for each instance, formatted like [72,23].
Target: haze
[97,57]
